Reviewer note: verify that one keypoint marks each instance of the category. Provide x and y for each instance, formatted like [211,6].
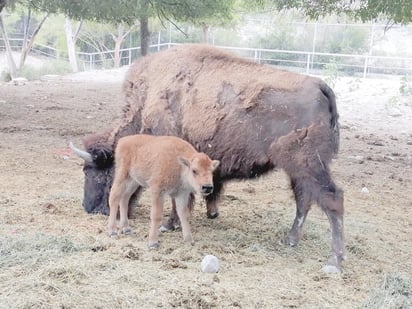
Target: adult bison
[251,117]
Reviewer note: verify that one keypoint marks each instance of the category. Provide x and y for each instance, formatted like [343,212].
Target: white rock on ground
[210,264]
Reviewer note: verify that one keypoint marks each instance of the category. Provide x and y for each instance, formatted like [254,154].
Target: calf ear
[215,164]
[184,162]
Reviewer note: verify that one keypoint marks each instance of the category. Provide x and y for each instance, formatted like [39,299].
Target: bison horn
[81,153]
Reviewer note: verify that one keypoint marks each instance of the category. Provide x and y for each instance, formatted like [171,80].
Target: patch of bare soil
[53,254]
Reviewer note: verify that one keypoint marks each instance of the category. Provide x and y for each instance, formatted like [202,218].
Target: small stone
[48,77]
[210,264]
[357,159]
[394,112]
[19,81]
[365,190]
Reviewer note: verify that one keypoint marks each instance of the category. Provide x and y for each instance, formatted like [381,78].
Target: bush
[51,67]
[331,73]
[406,86]
[5,76]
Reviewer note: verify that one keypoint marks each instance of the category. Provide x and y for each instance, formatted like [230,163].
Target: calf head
[98,172]
[198,172]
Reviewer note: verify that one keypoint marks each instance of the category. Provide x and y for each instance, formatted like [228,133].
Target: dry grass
[54,255]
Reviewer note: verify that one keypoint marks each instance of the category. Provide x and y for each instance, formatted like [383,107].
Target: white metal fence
[310,62]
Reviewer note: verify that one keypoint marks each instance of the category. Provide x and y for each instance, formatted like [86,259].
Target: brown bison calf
[167,165]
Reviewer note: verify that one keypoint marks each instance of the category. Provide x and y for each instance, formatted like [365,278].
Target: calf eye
[195,172]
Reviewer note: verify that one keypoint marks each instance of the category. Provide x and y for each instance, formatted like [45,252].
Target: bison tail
[328,92]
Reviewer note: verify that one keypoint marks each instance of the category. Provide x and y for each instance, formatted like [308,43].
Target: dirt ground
[55,255]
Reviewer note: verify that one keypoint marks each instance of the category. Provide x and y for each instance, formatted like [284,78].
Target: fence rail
[309,62]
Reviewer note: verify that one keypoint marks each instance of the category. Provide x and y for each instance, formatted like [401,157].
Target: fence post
[365,68]
[307,63]
[315,33]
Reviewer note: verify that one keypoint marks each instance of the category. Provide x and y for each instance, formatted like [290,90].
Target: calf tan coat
[168,166]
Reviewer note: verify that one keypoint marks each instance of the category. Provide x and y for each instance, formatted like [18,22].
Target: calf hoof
[113,234]
[153,245]
[189,240]
[127,231]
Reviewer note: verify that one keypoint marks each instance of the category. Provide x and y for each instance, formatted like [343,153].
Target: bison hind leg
[330,198]
[303,197]
[331,201]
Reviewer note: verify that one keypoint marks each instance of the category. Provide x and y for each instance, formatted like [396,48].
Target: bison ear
[215,164]
[183,161]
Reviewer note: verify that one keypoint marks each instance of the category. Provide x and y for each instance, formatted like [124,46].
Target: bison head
[98,171]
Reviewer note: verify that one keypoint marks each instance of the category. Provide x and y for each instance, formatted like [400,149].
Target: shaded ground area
[53,254]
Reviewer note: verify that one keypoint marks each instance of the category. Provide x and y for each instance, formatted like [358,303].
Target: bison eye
[195,172]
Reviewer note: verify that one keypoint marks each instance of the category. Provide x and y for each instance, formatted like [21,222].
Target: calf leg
[116,193]
[183,205]
[130,188]
[155,219]
[173,222]
[303,203]
[212,208]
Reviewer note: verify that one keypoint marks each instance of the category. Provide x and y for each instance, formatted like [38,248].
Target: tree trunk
[117,44]
[10,60]
[28,45]
[71,48]
[205,29]
[2,4]
[144,35]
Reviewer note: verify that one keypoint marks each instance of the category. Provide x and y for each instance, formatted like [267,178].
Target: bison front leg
[212,200]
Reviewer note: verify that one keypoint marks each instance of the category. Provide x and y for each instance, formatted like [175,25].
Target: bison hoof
[154,245]
[212,215]
[290,241]
[127,231]
[330,269]
[333,265]
[165,228]
[169,227]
